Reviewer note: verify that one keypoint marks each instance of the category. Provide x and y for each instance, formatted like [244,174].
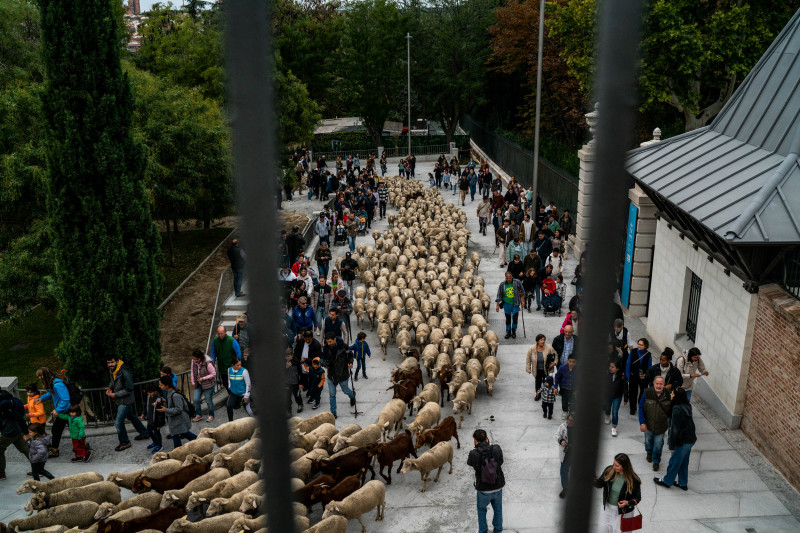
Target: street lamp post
[538,109]
[408,48]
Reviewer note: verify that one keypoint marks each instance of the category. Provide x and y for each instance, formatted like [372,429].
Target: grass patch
[29,342]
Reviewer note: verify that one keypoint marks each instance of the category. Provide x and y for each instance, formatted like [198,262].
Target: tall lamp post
[538,109]
[408,48]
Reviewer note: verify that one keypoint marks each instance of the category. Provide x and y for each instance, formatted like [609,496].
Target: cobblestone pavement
[725,493]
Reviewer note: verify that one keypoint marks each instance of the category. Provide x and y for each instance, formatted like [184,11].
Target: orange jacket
[35,410]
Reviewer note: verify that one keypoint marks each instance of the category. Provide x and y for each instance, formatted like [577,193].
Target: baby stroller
[551,301]
[339,236]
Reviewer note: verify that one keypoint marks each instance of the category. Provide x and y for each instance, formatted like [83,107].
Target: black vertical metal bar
[248,57]
[620,24]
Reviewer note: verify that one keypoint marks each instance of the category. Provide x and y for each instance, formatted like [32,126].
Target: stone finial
[657,134]
[591,120]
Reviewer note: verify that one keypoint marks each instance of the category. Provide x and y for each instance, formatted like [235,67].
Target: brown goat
[387,453]
[445,376]
[160,521]
[306,495]
[349,464]
[340,491]
[174,481]
[445,431]
[415,376]
[405,390]
[413,352]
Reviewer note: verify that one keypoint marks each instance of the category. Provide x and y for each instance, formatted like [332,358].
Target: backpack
[75,393]
[188,407]
[489,468]
[11,408]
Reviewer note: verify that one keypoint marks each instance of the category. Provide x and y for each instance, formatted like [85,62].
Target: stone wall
[725,322]
[772,401]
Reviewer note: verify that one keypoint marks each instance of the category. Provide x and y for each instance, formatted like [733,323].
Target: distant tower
[134,8]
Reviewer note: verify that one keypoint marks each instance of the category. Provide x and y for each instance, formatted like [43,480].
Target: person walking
[338,361]
[38,443]
[487,461]
[617,387]
[304,353]
[483,212]
[155,419]
[351,226]
[293,386]
[120,388]
[691,367]
[503,237]
[565,344]
[622,491]
[236,257]
[224,349]
[540,361]
[463,186]
[361,350]
[511,294]
[34,408]
[565,384]
[203,375]
[383,196]
[654,420]
[680,440]
[58,392]
[323,228]
[671,375]
[323,258]
[316,380]
[242,334]
[547,393]
[13,428]
[349,267]
[77,432]
[176,411]
[635,368]
[238,388]
[563,438]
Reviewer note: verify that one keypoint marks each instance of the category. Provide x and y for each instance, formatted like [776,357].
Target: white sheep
[219,506]
[441,360]
[235,461]
[332,524]
[369,434]
[348,430]
[237,431]
[430,393]
[181,496]
[223,489]
[427,417]
[148,500]
[384,335]
[480,349]
[77,515]
[463,401]
[307,440]
[491,367]
[371,495]
[296,453]
[193,458]
[403,341]
[102,491]
[60,483]
[391,416]
[197,446]
[217,524]
[302,467]
[434,458]
[492,340]
[300,426]
[160,469]
[246,523]
[474,371]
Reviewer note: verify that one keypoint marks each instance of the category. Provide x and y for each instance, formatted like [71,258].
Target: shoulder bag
[631,523]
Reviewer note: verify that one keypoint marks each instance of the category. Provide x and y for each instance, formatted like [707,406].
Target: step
[228,324]
[236,303]
[230,314]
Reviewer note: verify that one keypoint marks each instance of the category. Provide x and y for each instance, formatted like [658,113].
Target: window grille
[694,307]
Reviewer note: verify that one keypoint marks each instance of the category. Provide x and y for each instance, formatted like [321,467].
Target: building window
[694,307]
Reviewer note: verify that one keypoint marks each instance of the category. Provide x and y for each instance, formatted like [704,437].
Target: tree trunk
[175,226]
[170,248]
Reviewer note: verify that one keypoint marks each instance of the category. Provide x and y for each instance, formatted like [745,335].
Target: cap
[342,292]
[348,254]
[241,318]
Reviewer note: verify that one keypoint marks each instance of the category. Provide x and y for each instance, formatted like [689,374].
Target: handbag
[631,523]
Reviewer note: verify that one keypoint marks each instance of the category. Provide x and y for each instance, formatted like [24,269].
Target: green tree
[372,61]
[298,114]
[20,58]
[104,241]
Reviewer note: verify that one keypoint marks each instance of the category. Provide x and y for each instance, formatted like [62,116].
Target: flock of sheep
[418,277]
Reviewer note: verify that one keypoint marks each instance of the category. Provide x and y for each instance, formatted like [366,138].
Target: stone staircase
[233,307]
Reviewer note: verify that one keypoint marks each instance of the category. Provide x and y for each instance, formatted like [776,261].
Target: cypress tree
[105,242]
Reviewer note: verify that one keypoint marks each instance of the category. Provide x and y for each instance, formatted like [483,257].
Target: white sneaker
[613,432]
[608,419]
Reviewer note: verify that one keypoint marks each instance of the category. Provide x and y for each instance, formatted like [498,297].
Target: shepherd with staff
[511,296]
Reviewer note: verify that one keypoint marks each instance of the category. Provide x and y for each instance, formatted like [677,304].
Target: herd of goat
[421,290]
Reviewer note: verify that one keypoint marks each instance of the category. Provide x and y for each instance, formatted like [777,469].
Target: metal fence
[554,183]
[330,157]
[402,151]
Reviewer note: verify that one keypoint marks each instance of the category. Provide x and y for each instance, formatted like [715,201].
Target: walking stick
[355,403]
[522,310]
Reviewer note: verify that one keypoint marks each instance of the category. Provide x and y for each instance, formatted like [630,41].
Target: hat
[347,254]
[342,293]
[241,318]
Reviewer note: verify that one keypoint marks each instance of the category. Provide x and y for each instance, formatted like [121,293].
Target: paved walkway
[726,494]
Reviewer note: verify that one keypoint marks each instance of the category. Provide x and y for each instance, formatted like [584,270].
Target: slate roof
[739,176]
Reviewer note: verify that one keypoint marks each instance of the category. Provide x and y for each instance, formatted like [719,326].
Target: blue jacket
[360,349]
[60,396]
[644,364]
[304,319]
[565,377]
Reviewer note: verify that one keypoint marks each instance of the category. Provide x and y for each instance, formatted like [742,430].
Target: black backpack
[188,407]
[75,393]
[489,468]
[11,408]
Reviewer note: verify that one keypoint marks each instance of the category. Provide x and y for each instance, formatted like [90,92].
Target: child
[77,432]
[617,392]
[154,418]
[561,287]
[167,371]
[176,409]
[35,407]
[38,443]
[293,385]
[548,397]
[360,349]
[316,379]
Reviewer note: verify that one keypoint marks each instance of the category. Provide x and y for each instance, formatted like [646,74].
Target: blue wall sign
[629,243]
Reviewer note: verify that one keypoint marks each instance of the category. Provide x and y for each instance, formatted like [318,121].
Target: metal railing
[216,307]
[330,157]
[432,149]
[790,273]
[554,183]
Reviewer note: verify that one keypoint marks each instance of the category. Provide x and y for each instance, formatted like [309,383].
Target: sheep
[384,334]
[59,483]
[311,423]
[332,524]
[237,431]
[436,457]
[78,515]
[480,349]
[423,330]
[217,524]
[492,340]
[223,489]
[235,461]
[348,430]
[148,500]
[175,480]
[246,523]
[491,367]
[466,344]
[51,529]
[123,516]
[474,371]
[307,440]
[459,359]
[459,377]
[102,491]
[430,393]
[219,506]
[370,433]
[371,495]
[297,453]
[409,363]
[403,341]
[193,458]
[200,446]
[391,416]
[426,417]
[442,360]
[480,322]
[463,401]
[302,467]
[359,310]
[179,497]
